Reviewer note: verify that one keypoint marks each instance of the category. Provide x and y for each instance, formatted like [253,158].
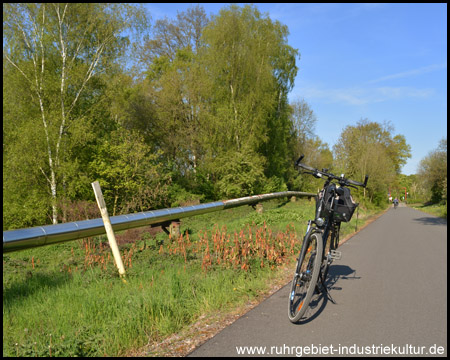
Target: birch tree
[59,49]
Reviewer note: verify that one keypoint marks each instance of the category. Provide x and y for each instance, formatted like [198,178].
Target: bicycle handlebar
[318,173]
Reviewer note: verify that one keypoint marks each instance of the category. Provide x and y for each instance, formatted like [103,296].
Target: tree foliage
[222,94]
[369,148]
[251,69]
[204,116]
[58,56]
[130,174]
[432,173]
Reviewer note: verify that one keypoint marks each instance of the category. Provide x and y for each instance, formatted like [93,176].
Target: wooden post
[108,228]
[174,229]
[259,208]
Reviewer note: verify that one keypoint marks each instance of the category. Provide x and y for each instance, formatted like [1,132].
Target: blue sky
[384,62]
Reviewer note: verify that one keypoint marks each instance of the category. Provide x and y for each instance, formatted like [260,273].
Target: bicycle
[334,205]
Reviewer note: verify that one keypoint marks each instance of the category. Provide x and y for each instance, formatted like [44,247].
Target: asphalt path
[387,297]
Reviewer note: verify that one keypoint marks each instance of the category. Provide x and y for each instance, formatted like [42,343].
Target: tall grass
[68,300]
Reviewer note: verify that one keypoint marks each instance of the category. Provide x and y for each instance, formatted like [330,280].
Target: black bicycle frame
[328,226]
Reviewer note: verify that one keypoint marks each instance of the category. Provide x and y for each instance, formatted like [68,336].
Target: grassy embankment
[434,209]
[67,299]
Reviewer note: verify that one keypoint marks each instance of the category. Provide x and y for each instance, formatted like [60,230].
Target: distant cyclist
[395,203]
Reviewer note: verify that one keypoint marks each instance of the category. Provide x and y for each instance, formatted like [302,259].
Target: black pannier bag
[328,197]
[345,206]
[338,200]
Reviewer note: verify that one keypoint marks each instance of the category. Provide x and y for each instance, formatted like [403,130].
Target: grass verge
[435,209]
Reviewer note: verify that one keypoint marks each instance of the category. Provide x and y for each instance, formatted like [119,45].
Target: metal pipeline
[14,240]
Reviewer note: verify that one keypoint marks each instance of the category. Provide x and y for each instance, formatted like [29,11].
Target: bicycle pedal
[335,255]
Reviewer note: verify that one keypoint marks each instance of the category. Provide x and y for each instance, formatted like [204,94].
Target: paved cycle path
[390,294]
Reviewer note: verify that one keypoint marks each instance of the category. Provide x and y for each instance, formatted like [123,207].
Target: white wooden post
[108,227]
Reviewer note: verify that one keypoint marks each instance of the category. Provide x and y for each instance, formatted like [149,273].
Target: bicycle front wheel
[306,276]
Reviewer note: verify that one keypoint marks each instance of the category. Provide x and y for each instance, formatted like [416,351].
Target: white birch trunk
[34,41]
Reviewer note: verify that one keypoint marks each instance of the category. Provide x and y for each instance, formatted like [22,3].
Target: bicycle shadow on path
[320,301]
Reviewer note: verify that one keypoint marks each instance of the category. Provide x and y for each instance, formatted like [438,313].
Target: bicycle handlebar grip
[365,180]
[353,182]
[306,167]
[299,159]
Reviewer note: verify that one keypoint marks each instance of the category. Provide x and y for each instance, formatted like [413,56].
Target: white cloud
[403,91]
[358,96]
[419,71]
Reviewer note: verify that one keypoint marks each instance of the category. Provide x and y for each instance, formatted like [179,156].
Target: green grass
[435,209]
[68,300]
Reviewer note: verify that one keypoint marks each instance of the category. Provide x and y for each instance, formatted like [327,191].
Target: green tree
[220,88]
[25,199]
[303,121]
[251,68]
[368,148]
[318,155]
[415,191]
[170,36]
[178,87]
[61,52]
[304,141]
[239,173]
[130,173]
[432,172]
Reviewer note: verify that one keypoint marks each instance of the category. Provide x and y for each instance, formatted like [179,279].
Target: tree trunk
[54,199]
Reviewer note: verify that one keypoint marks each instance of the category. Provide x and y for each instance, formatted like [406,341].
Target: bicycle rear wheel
[306,276]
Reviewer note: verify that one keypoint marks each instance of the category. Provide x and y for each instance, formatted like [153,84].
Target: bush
[274,184]
[179,196]
[239,174]
[379,200]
